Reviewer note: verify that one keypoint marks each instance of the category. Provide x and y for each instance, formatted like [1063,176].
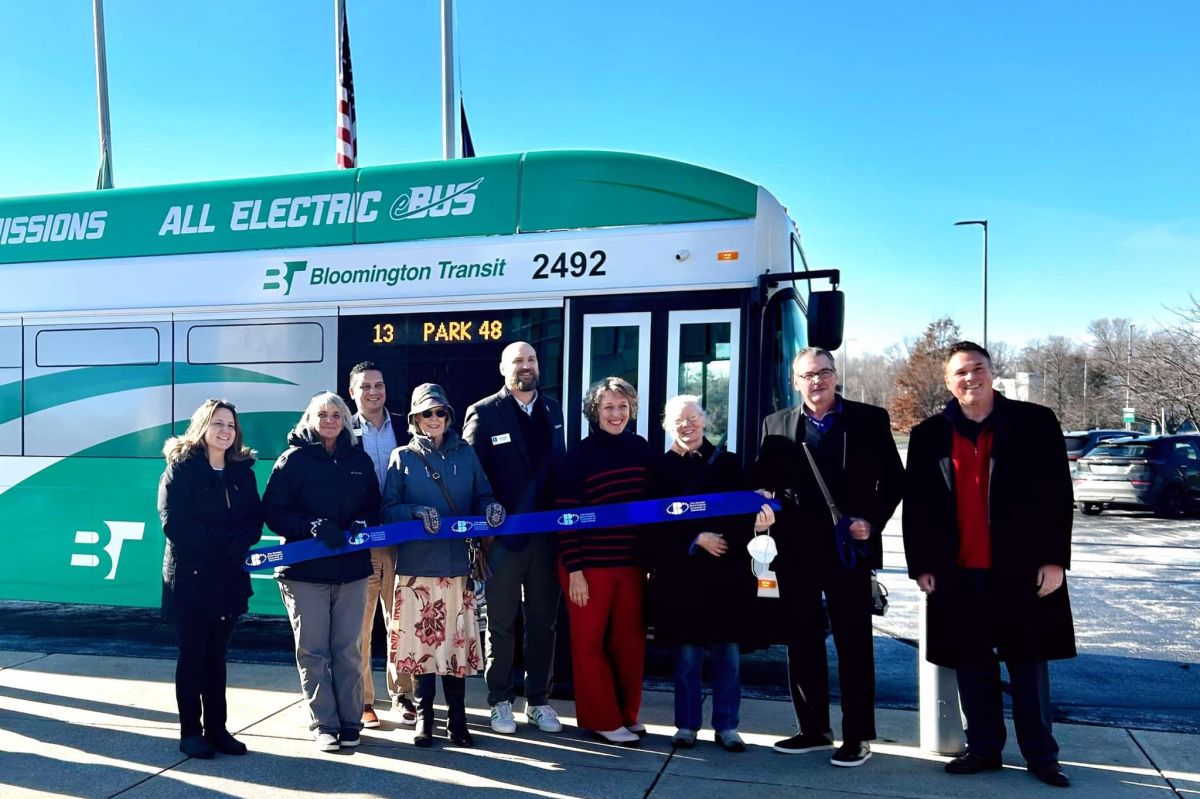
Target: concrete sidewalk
[84,726]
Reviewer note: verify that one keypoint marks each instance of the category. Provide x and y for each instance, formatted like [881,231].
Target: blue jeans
[726,686]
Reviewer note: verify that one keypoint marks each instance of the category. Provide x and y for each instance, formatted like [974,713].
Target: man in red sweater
[987,535]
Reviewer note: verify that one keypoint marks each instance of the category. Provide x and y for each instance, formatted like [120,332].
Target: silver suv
[1157,472]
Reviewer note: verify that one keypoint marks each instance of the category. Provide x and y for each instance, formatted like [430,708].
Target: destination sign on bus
[481,328]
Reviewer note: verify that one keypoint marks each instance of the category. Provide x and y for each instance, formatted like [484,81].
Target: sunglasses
[432,412]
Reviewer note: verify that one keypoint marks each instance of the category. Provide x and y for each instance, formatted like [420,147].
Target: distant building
[1026,386]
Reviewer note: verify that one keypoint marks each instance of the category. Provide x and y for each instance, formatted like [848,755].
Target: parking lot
[1134,582]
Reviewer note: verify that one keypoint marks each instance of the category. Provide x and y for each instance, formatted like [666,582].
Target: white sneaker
[502,718]
[638,729]
[684,738]
[327,742]
[544,717]
[620,736]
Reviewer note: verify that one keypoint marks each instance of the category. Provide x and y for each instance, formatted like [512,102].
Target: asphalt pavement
[105,726]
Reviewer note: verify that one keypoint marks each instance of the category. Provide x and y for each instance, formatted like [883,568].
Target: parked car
[1157,472]
[1080,443]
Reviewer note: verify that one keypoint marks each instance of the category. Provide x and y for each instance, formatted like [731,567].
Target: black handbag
[879,596]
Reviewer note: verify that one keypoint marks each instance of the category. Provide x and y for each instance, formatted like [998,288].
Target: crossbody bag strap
[833,508]
[435,474]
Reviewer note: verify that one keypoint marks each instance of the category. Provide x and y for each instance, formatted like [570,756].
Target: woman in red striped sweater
[602,570]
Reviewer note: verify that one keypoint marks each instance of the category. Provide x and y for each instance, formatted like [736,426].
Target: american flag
[347,138]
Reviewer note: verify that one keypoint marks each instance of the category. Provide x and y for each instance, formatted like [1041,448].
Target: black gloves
[329,533]
[495,514]
[430,517]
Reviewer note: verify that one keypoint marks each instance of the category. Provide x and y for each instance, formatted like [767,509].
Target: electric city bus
[122,310]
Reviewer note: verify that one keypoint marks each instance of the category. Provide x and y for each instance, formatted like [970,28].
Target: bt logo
[118,534]
[287,272]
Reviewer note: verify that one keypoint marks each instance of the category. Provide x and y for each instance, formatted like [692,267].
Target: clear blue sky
[1074,127]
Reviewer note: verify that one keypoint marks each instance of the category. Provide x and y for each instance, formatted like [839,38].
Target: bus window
[284,342]
[787,334]
[97,390]
[459,350]
[268,368]
[618,345]
[704,360]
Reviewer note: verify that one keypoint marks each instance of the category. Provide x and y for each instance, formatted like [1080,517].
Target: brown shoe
[369,719]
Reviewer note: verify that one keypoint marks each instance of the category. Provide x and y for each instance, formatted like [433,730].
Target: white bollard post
[937,694]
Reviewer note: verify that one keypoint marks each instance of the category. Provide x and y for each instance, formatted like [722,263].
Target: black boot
[455,689]
[424,687]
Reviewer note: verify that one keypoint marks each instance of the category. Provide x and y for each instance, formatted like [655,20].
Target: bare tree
[1156,372]
[870,378]
[1003,359]
[1060,362]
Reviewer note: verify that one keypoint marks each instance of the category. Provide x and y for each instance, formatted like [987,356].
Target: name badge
[503,438]
[768,585]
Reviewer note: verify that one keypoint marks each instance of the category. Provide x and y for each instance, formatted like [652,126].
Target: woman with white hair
[320,487]
[701,595]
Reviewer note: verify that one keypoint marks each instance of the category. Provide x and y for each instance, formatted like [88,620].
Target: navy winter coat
[210,523]
[410,485]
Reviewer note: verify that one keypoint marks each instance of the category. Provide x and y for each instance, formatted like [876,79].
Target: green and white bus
[120,311]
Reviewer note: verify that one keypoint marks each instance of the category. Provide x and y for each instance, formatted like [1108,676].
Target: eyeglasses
[432,412]
[820,374]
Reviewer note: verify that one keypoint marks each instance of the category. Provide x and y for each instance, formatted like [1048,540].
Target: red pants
[608,647]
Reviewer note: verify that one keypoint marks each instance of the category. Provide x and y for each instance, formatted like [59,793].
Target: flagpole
[448,148]
[104,179]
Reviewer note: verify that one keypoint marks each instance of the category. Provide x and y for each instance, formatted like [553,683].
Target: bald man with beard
[518,435]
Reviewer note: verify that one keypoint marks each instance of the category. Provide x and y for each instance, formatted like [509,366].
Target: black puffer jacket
[210,523]
[309,483]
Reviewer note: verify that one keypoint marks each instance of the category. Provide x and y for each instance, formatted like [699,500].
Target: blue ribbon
[590,517]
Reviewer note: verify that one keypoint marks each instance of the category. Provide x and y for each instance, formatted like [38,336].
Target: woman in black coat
[321,487]
[703,589]
[211,516]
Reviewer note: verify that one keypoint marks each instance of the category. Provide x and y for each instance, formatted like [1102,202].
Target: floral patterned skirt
[434,629]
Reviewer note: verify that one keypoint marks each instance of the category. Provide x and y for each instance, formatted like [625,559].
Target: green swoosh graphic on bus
[88,497]
[264,431]
[60,388]
[721,208]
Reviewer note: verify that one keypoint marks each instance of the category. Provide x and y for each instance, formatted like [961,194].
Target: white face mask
[762,550]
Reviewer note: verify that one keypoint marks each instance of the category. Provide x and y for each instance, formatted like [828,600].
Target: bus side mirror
[826,318]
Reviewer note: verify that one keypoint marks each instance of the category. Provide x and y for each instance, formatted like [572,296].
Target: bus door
[684,343]
[458,348]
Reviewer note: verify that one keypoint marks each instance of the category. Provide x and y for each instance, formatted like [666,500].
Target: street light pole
[1129,373]
[984,224]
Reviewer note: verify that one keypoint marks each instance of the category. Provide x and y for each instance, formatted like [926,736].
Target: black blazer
[869,486]
[492,428]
